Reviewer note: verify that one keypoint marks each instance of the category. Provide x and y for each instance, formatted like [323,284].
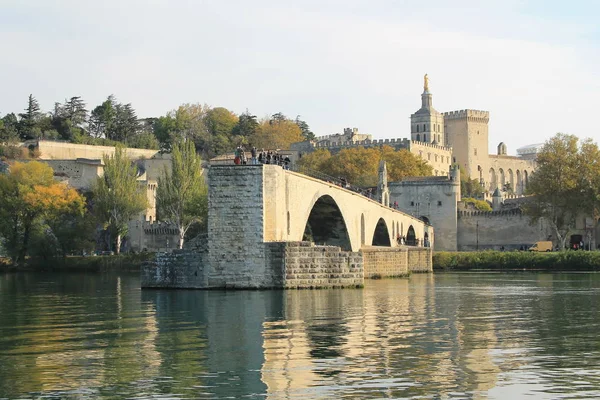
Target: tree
[360,165]
[315,160]
[246,127]
[306,132]
[69,119]
[469,187]
[9,128]
[126,124]
[277,133]
[186,122]
[181,195]
[557,186]
[102,118]
[402,163]
[117,195]
[29,119]
[29,197]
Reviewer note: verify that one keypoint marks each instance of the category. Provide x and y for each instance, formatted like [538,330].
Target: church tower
[427,124]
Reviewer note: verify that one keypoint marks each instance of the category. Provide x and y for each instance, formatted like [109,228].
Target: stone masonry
[247,249]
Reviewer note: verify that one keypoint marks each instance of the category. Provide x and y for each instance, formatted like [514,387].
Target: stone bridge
[297,207]
[263,221]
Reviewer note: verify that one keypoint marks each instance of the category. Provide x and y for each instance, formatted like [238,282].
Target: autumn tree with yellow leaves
[30,198]
[359,165]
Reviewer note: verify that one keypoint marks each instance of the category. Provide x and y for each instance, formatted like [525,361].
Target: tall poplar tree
[118,197]
[182,195]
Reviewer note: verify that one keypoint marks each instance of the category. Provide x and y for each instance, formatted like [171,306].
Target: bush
[480,205]
[511,260]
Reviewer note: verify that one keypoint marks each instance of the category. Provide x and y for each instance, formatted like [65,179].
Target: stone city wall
[480,230]
[71,151]
[380,262]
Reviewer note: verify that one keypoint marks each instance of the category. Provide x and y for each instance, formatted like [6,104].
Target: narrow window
[418,137]
[475,151]
[417,128]
[424,137]
[439,203]
[412,203]
[424,127]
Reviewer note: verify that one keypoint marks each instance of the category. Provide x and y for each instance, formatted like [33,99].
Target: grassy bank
[517,260]
[122,262]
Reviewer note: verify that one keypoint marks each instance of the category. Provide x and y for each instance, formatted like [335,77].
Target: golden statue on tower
[426,83]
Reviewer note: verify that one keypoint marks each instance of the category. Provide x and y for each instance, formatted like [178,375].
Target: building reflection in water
[399,338]
[396,338]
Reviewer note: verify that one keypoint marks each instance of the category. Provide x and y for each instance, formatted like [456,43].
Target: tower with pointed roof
[427,124]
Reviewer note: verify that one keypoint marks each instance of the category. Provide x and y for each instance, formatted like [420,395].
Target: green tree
[9,128]
[186,122]
[306,132]
[28,128]
[480,205]
[559,185]
[246,128]
[29,197]
[117,195]
[469,187]
[102,118]
[182,195]
[126,124]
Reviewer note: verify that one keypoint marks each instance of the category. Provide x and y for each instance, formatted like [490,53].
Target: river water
[497,336]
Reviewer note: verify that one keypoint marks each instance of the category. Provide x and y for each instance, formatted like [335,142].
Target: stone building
[80,165]
[433,199]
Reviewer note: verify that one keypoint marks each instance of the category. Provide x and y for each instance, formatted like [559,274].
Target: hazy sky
[535,65]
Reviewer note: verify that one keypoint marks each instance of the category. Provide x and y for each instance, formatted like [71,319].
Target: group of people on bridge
[260,157]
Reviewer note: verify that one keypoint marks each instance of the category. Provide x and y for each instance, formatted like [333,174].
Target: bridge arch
[326,224]
[411,237]
[381,235]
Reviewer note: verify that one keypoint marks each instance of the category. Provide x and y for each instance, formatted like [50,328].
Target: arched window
[417,128]
[424,137]
[424,127]
[439,137]
[418,137]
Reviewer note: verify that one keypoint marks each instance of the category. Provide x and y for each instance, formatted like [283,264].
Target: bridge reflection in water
[430,336]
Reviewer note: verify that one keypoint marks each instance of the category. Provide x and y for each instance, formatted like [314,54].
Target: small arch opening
[381,236]
[411,237]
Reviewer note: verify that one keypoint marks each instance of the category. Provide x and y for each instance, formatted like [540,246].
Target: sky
[534,65]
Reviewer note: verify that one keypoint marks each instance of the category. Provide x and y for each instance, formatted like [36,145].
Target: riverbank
[121,262]
[517,260]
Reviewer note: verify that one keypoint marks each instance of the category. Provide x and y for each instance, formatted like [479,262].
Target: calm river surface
[497,336]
